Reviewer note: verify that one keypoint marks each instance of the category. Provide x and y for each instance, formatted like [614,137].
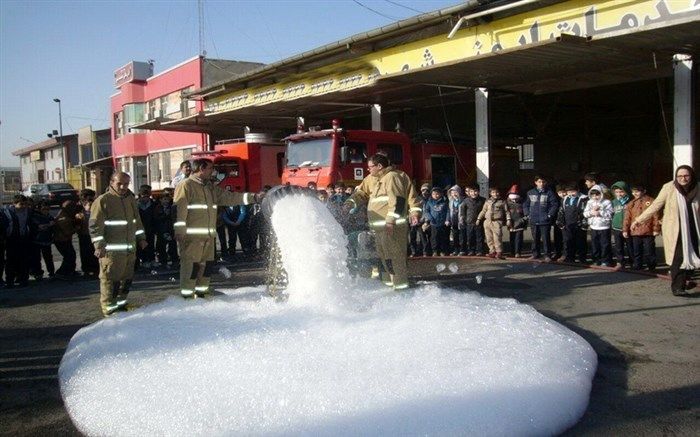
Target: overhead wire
[211,36]
[404,6]
[375,11]
[661,107]
[449,132]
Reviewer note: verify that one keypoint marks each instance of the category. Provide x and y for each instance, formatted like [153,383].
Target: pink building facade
[153,156]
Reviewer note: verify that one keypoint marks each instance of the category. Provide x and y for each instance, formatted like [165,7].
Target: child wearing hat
[599,212]
[573,224]
[517,224]
[642,236]
[455,194]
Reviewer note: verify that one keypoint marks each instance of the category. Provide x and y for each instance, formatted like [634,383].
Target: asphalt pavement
[647,382]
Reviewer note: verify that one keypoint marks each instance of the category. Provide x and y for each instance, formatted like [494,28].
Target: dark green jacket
[619,204]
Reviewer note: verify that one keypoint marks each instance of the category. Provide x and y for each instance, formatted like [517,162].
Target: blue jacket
[541,206]
[435,211]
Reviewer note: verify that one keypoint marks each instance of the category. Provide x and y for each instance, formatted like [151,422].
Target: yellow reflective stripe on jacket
[199,206]
[186,292]
[379,199]
[200,231]
[201,288]
[382,223]
[119,247]
[416,209]
[139,232]
[248,198]
[98,238]
[117,222]
[178,224]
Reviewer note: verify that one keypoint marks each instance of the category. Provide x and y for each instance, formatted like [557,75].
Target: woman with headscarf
[680,200]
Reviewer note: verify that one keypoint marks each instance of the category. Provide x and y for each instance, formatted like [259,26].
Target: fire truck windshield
[309,153]
[227,169]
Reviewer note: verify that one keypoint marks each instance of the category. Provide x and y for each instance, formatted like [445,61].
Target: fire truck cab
[244,165]
[336,155]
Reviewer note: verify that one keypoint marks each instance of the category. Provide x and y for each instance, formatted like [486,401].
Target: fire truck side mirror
[344,154]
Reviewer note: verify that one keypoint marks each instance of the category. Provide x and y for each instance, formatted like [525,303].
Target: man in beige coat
[116,231]
[390,198]
[197,199]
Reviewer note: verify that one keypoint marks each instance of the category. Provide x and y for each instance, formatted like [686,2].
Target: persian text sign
[599,19]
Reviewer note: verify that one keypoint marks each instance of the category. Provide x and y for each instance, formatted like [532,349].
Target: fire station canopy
[631,49]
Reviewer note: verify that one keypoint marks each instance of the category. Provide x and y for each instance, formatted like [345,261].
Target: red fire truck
[247,164]
[336,155]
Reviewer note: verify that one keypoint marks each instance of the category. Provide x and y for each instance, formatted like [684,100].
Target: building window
[171,106]
[118,125]
[526,152]
[134,113]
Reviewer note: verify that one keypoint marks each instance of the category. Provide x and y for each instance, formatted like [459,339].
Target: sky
[70,49]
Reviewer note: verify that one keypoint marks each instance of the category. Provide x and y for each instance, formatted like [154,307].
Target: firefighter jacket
[197,203]
[390,198]
[115,224]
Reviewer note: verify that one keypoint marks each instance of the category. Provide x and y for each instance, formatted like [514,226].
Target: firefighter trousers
[196,265]
[116,274]
[392,253]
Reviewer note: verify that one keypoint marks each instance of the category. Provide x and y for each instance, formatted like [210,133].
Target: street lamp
[60,132]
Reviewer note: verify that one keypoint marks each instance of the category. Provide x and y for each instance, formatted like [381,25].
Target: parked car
[53,194]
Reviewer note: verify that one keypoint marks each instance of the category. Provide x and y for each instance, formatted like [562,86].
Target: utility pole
[60,133]
[200,13]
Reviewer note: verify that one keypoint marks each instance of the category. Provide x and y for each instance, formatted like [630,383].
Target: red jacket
[633,210]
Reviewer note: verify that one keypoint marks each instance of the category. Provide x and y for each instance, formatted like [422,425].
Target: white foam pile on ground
[339,358]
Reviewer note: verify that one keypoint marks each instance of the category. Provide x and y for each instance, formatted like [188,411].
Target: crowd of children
[560,220]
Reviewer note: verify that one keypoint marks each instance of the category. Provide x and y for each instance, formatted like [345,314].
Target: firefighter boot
[124,287]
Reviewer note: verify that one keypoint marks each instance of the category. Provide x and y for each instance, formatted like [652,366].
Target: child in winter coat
[435,213]
[517,224]
[599,213]
[146,206]
[163,218]
[556,230]
[495,216]
[454,201]
[621,196]
[473,233]
[573,224]
[642,236]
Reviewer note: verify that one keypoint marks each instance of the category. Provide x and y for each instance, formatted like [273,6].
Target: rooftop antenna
[200,11]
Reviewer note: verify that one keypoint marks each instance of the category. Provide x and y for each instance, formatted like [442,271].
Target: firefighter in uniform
[390,198]
[196,199]
[115,231]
